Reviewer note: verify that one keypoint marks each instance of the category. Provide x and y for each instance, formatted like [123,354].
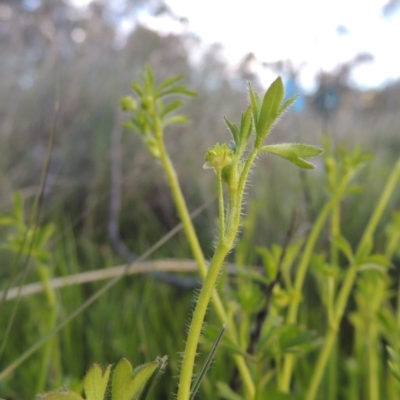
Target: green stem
[380,208]
[221,205]
[286,376]
[52,320]
[199,257]
[373,364]
[185,379]
[224,246]
[349,283]
[331,281]
[183,212]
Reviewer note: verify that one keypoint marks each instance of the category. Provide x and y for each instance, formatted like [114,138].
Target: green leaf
[169,82]
[137,88]
[246,124]
[269,111]
[394,362]
[393,355]
[225,392]
[176,119]
[162,363]
[287,104]
[234,130]
[96,382]
[344,246]
[150,76]
[129,126]
[127,384]
[43,235]
[291,253]
[294,153]
[294,339]
[272,392]
[269,261]
[170,108]
[61,395]
[177,90]
[253,104]
[378,259]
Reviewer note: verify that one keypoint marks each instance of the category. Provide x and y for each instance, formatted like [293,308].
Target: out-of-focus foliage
[52,51]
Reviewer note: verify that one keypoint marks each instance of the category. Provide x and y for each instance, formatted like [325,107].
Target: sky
[306,32]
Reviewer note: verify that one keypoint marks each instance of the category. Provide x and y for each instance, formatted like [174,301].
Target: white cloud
[300,30]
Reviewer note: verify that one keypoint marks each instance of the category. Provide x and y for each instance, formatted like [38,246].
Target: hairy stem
[199,257]
[224,246]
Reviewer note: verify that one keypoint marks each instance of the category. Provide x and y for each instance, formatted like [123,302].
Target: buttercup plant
[121,382]
[232,164]
[276,326]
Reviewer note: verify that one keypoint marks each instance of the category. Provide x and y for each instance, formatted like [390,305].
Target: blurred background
[340,56]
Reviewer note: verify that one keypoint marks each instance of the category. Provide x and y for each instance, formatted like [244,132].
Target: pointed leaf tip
[96,381]
[294,153]
[270,110]
[233,128]
[128,384]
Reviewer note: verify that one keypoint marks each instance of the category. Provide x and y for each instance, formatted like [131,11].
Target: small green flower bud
[127,103]
[218,157]
[147,102]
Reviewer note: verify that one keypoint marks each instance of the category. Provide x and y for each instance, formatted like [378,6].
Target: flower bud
[218,157]
[127,103]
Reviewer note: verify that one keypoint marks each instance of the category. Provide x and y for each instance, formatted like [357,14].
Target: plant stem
[221,205]
[199,257]
[185,379]
[380,208]
[349,282]
[285,378]
[288,364]
[331,280]
[52,320]
[373,364]
[224,246]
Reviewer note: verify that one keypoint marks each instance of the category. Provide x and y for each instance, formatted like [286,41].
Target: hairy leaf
[294,153]
[269,111]
[127,384]
[96,382]
[234,130]
[287,104]
[246,125]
